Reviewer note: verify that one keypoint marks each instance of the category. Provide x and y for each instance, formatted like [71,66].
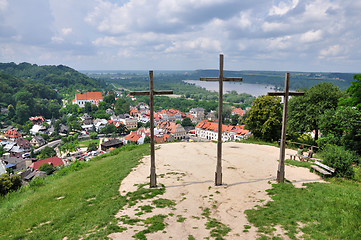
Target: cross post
[220,79]
[285,94]
[151,93]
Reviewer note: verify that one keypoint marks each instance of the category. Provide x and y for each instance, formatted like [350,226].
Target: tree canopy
[305,112]
[265,118]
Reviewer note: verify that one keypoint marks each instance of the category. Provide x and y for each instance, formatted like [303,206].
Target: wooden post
[286,93]
[151,93]
[220,79]
[153,176]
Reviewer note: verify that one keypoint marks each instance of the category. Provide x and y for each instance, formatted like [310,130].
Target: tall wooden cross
[220,79]
[285,94]
[151,93]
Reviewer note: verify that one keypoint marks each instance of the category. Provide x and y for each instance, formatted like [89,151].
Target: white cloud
[332,51]
[3,5]
[283,7]
[311,36]
[66,31]
[198,44]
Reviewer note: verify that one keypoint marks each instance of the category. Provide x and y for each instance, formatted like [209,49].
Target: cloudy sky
[287,35]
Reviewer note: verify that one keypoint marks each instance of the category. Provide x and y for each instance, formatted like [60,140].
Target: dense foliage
[354,92]
[265,118]
[305,112]
[9,183]
[340,159]
[20,100]
[62,78]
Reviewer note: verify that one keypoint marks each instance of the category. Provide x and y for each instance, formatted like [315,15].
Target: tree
[109,99]
[234,119]
[304,112]
[46,167]
[121,106]
[186,122]
[265,118]
[92,146]
[5,184]
[88,107]
[8,183]
[341,127]
[22,113]
[109,128]
[47,152]
[147,139]
[226,112]
[354,92]
[93,135]
[11,111]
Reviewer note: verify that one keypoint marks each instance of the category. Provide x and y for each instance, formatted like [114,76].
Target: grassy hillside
[80,204]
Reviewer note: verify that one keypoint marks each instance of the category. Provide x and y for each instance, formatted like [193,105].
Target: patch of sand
[187,171]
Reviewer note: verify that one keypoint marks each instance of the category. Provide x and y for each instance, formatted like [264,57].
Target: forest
[31,90]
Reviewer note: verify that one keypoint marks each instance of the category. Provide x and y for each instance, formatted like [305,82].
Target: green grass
[326,210]
[258,141]
[299,163]
[218,229]
[155,223]
[74,205]
[86,142]
[162,203]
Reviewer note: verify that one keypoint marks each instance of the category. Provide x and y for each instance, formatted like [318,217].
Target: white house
[92,97]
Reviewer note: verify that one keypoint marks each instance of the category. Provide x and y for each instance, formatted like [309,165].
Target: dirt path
[187,171]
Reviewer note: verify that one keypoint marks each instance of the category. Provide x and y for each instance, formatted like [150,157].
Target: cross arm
[159,92]
[283,94]
[228,79]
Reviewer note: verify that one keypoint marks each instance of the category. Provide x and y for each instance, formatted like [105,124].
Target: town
[37,153]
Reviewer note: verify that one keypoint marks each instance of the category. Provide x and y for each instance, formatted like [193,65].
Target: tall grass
[79,204]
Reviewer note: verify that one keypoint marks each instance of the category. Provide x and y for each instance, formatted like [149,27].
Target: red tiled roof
[238,111]
[134,136]
[12,133]
[168,126]
[54,161]
[133,111]
[89,95]
[40,118]
[116,123]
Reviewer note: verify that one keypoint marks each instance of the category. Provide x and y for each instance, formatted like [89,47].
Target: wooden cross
[285,94]
[220,79]
[151,93]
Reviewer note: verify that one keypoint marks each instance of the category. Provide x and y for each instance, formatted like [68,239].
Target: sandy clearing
[187,171]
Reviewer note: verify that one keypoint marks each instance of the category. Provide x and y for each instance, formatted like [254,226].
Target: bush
[5,184]
[93,135]
[74,167]
[8,183]
[46,167]
[341,159]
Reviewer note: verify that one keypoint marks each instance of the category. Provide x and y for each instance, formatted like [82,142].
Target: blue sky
[289,35]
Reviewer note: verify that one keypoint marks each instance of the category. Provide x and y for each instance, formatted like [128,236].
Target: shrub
[93,135]
[5,184]
[74,167]
[16,182]
[46,167]
[93,146]
[8,183]
[339,158]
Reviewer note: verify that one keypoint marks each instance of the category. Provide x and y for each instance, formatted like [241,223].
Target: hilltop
[62,78]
